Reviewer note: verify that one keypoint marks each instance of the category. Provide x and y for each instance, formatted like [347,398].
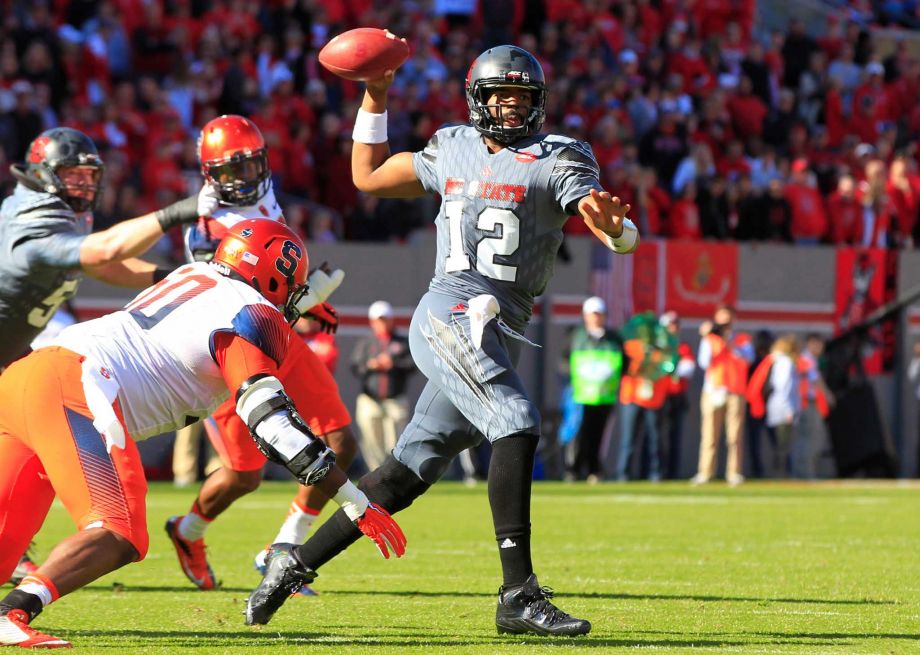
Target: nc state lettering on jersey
[487,190]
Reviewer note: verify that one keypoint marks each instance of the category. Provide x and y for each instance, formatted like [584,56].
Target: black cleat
[284,576]
[526,609]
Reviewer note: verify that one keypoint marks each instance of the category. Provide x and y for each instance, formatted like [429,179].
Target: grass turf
[764,568]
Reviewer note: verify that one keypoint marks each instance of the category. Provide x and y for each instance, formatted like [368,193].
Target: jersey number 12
[504,244]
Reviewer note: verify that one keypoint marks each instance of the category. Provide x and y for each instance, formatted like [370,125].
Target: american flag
[612,280]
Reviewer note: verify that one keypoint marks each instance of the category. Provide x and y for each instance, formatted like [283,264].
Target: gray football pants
[470,392]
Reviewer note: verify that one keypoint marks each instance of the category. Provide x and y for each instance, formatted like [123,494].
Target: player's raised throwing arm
[373,169]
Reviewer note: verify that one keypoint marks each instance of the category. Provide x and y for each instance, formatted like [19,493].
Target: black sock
[330,539]
[510,475]
[21,600]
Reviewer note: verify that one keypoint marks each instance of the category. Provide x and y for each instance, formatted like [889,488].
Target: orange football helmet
[234,159]
[271,258]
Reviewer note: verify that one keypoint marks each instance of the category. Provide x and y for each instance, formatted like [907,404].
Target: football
[364,53]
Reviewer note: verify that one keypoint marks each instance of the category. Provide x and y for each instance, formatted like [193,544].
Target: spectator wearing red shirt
[832,40]
[690,65]
[747,110]
[903,92]
[235,19]
[652,203]
[845,213]
[835,113]
[869,104]
[809,222]
[904,190]
[712,17]
[649,23]
[606,142]
[299,175]
[684,218]
[161,172]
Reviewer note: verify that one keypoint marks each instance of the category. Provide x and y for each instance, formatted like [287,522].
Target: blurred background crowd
[710,125]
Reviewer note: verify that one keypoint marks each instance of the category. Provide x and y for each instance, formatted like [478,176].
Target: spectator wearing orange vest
[642,395]
[810,433]
[724,356]
[676,403]
[774,394]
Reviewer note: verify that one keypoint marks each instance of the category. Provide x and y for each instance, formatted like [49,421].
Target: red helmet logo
[37,151]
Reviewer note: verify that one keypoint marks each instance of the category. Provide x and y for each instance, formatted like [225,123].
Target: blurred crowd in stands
[708,125]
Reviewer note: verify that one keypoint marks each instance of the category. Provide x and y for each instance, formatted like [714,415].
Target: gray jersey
[501,217]
[40,239]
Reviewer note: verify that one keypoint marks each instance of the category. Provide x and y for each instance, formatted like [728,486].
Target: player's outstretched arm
[134,273]
[605,216]
[373,170]
[135,236]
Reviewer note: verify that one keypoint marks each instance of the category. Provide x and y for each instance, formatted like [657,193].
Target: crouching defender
[506,193]
[72,412]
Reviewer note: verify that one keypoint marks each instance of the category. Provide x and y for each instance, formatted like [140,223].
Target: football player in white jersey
[73,411]
[47,243]
[506,191]
[234,163]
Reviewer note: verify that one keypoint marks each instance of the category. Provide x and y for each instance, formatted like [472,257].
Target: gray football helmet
[504,66]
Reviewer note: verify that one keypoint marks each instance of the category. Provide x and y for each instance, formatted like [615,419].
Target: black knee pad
[392,485]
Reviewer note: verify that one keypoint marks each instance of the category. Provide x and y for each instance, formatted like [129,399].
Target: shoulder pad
[264,327]
[39,204]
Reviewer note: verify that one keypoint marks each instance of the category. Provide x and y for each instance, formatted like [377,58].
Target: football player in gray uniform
[46,238]
[46,244]
[506,191]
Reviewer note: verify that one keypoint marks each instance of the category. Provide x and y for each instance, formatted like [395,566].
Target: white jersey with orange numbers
[202,239]
[156,355]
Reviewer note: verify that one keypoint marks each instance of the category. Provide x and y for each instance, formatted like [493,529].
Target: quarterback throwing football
[506,192]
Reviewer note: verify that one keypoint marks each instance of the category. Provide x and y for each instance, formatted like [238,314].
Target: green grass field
[764,568]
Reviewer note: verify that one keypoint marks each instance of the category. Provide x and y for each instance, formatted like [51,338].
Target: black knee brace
[392,485]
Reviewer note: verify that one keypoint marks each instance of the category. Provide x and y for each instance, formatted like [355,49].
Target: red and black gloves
[325,315]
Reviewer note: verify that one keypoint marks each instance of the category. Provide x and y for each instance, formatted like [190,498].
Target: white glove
[208,200]
[322,284]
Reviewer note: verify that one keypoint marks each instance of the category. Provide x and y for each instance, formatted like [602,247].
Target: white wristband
[370,128]
[352,500]
[626,242]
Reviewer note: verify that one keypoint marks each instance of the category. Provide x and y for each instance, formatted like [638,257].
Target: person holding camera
[724,356]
